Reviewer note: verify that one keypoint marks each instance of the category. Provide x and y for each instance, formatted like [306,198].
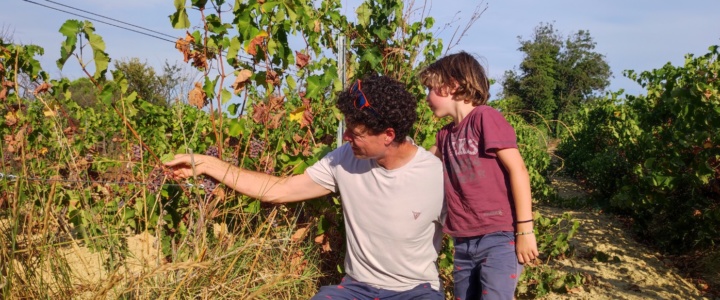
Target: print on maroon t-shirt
[476,185]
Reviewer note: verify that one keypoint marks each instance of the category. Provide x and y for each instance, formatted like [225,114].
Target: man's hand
[188,165]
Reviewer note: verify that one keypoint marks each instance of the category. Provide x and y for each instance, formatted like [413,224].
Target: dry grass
[216,263]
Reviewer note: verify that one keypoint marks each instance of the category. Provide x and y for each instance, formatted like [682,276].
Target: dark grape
[136,152]
[233,159]
[212,151]
[156,179]
[256,147]
[209,184]
[7,157]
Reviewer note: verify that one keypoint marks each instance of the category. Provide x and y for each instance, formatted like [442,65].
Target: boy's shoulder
[482,109]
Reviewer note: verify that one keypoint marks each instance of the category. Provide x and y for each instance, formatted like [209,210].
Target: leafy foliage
[655,156]
[71,29]
[553,238]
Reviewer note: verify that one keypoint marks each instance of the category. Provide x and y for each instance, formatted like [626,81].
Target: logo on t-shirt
[416,214]
[465,146]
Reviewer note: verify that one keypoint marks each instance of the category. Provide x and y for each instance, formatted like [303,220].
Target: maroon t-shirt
[476,184]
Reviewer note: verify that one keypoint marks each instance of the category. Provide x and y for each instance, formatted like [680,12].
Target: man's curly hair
[392,106]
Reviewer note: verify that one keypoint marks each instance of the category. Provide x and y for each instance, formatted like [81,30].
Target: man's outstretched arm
[258,185]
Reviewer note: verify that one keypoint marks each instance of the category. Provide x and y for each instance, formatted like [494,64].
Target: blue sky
[632,34]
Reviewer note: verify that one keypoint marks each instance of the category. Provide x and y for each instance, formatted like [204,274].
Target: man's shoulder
[423,154]
[425,159]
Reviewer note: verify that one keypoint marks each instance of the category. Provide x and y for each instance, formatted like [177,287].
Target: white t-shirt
[393,218]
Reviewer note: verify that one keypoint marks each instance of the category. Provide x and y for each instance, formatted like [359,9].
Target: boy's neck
[462,109]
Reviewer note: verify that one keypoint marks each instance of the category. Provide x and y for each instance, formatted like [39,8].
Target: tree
[83,92]
[556,77]
[159,89]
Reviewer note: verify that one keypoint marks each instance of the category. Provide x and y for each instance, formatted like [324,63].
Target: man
[391,189]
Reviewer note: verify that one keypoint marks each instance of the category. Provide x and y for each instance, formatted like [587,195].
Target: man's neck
[398,155]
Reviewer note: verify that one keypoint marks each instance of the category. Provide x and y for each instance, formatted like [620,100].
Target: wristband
[524,233]
[526,221]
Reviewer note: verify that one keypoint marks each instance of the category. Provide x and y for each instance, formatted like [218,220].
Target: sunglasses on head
[361,101]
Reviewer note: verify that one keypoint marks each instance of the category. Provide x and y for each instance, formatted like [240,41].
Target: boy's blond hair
[460,69]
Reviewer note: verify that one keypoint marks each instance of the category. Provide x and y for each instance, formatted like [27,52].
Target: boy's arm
[525,243]
[435,151]
[258,185]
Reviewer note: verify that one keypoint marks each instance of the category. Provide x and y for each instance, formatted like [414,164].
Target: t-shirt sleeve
[496,132]
[323,171]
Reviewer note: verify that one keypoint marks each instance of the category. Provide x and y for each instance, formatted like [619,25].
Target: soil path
[616,266]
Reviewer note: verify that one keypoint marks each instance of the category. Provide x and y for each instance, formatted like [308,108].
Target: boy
[487,186]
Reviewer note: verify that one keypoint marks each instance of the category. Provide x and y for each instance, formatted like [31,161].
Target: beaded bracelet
[524,233]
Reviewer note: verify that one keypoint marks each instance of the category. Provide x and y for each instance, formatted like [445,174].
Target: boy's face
[440,101]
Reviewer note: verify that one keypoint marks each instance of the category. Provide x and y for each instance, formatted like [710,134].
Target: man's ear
[389,136]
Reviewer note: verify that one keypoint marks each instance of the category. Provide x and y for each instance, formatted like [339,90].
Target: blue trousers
[351,289]
[486,267]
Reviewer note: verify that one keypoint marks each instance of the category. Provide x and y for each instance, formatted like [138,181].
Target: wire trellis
[10,177]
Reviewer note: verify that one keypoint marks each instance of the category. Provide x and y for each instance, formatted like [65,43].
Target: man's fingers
[183,173]
[177,160]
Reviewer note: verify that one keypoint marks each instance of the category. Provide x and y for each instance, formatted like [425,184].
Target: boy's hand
[526,248]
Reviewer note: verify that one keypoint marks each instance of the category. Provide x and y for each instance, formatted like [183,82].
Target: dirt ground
[617,266]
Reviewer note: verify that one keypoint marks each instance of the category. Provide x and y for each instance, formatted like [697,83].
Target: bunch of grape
[156,179]
[209,183]
[232,157]
[136,153]
[233,160]
[256,147]
[7,156]
[212,151]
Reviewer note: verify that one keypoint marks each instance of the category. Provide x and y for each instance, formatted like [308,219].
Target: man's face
[364,144]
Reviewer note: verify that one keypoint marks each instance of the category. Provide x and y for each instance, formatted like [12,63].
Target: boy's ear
[453,87]
[448,89]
